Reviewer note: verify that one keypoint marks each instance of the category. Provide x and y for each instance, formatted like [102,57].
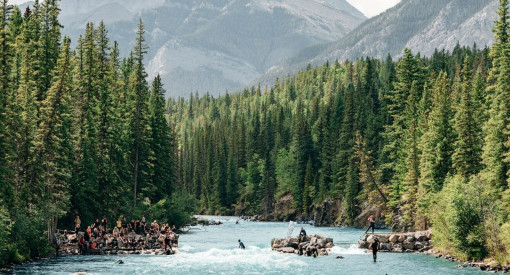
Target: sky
[16,2]
[369,7]
[373,7]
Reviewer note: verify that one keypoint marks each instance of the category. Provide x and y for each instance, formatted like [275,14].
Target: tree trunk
[135,185]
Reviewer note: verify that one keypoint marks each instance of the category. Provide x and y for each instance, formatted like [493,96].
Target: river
[213,250]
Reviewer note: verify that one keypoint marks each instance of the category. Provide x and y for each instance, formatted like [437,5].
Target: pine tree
[49,41]
[436,144]
[467,154]
[86,93]
[162,142]
[308,187]
[139,119]
[5,66]
[412,141]
[232,191]
[303,146]
[408,72]
[52,163]
[495,150]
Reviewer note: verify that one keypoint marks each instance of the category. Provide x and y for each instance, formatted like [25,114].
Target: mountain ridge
[438,24]
[213,46]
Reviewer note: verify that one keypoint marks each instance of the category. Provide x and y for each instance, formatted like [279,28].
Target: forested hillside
[81,133]
[421,142]
[424,140]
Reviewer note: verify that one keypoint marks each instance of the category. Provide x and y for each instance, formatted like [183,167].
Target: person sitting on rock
[241,244]
[116,232]
[375,247]
[302,235]
[371,221]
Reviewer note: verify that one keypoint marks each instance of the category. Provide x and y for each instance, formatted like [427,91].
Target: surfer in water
[241,244]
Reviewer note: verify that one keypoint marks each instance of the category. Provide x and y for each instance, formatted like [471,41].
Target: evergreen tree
[412,152]
[436,143]
[408,72]
[303,146]
[139,126]
[495,150]
[53,150]
[162,142]
[467,154]
[308,187]
[5,64]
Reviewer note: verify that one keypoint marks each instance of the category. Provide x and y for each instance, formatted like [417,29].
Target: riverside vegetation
[425,141]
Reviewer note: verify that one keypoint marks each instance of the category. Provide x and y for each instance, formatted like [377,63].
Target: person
[302,235]
[173,240]
[66,239]
[156,226]
[96,224]
[241,244]
[124,223]
[88,232]
[119,224]
[168,242]
[77,224]
[375,247]
[371,221]
[81,244]
[104,223]
[144,224]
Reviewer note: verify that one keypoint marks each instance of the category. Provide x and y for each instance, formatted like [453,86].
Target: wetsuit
[241,245]
[372,225]
[375,248]
[302,236]
[168,243]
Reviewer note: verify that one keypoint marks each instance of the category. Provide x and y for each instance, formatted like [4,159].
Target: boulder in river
[393,238]
[314,245]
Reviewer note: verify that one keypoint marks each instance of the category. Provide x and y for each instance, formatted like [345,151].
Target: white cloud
[373,7]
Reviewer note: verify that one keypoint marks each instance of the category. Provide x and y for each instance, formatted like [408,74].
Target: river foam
[351,250]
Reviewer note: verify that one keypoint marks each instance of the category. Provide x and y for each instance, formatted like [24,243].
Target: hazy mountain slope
[417,24]
[214,45]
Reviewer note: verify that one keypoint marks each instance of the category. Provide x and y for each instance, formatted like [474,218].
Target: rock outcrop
[313,245]
[419,241]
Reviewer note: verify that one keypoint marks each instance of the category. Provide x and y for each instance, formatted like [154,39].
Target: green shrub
[458,219]
[178,210]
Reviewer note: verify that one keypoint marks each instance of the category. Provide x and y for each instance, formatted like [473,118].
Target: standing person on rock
[375,247]
[371,221]
[77,224]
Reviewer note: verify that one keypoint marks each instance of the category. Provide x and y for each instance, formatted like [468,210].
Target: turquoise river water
[213,250]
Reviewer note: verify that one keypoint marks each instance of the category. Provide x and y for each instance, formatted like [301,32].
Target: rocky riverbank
[419,241]
[313,245]
[68,244]
[485,265]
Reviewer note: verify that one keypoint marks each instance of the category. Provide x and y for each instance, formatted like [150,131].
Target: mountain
[214,45]
[422,26]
